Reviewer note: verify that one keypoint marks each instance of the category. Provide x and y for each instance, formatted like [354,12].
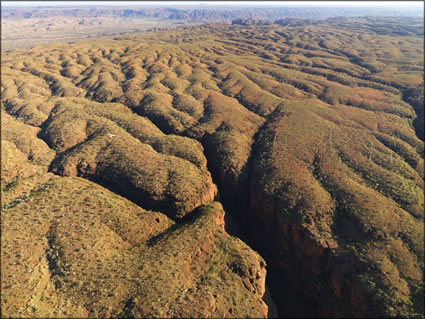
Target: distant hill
[25,27]
[206,13]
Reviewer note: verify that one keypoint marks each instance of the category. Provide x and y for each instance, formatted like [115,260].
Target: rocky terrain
[176,173]
[24,27]
[207,11]
[25,33]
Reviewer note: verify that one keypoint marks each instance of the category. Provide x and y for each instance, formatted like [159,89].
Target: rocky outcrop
[293,22]
[102,255]
[247,22]
[129,155]
[89,252]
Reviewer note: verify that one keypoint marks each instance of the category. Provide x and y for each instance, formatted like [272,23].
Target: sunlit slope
[307,130]
[73,249]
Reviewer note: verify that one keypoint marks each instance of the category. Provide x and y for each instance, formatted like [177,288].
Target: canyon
[243,169]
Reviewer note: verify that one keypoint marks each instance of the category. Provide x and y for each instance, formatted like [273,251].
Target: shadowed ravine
[215,170]
[282,298]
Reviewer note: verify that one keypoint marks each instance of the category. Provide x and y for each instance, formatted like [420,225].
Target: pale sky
[195,3]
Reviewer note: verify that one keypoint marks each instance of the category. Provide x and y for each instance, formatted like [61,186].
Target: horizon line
[404,4]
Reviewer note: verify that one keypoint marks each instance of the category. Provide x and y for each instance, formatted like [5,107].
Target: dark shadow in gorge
[282,298]
[288,299]
[415,97]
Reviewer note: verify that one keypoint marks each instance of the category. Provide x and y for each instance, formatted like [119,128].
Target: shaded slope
[318,193]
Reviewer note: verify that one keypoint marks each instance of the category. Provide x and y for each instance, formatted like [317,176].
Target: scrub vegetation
[116,151]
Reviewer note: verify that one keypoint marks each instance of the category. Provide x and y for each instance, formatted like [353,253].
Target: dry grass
[321,135]
[87,250]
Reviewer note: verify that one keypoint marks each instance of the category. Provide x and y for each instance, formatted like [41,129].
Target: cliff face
[310,209]
[115,151]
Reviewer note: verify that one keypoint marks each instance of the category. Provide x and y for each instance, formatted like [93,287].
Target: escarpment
[310,203]
[115,154]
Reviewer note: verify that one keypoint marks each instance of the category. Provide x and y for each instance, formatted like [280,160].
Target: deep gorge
[161,163]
